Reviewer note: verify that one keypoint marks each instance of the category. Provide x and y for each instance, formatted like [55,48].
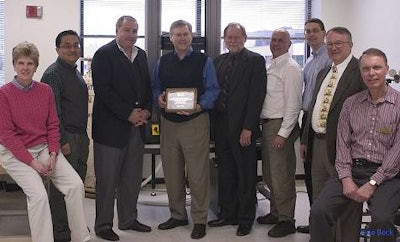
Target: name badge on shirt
[385,130]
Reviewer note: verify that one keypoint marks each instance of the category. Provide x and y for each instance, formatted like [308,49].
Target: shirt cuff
[378,177]
[344,173]
[283,133]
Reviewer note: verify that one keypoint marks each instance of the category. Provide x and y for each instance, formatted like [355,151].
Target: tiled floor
[152,211]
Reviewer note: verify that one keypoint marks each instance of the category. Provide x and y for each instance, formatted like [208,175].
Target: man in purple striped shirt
[368,157]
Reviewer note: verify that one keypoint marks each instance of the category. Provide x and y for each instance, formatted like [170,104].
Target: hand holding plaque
[180,99]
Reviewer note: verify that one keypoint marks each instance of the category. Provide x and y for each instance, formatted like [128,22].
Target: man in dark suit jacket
[242,77]
[335,84]
[121,108]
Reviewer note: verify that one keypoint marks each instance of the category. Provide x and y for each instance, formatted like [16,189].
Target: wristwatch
[373,182]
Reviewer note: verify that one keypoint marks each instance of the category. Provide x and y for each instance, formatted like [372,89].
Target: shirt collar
[238,54]
[388,97]
[65,64]
[342,66]
[19,86]
[319,51]
[190,51]
[281,58]
[134,51]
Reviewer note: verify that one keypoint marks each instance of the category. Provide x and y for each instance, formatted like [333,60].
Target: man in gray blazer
[334,84]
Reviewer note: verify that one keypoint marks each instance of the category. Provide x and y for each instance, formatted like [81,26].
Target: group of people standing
[348,144]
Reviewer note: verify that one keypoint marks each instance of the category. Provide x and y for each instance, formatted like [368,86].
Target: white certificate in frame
[180,99]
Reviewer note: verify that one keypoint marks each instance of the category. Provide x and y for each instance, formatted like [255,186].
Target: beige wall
[58,15]
[370,26]
[372,23]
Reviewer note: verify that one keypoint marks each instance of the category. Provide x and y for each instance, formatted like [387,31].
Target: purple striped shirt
[370,131]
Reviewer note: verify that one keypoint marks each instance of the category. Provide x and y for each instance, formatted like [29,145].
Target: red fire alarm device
[34,11]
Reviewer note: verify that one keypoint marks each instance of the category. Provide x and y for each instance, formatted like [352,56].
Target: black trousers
[237,174]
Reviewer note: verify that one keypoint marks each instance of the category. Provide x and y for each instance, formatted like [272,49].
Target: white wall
[372,23]
[58,15]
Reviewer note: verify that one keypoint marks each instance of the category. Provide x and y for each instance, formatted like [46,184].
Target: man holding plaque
[242,77]
[185,86]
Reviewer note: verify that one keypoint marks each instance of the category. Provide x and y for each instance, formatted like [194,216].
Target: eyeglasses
[337,44]
[70,47]
[180,35]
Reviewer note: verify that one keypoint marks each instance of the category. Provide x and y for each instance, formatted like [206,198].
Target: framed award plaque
[180,99]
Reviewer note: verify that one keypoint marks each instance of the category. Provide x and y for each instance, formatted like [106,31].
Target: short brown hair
[374,52]
[25,49]
[317,21]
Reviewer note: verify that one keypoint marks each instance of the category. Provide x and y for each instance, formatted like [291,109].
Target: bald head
[280,42]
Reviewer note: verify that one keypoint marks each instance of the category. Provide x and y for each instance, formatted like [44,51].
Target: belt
[320,135]
[365,163]
[270,119]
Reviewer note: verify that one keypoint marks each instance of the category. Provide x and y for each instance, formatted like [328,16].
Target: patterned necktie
[327,98]
[225,78]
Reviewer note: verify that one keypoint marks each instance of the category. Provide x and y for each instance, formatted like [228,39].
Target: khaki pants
[187,143]
[279,171]
[64,179]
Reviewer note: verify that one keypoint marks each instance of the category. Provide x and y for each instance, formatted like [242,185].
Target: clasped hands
[358,194]
[139,116]
[44,169]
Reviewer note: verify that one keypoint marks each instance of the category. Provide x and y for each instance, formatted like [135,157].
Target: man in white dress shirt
[279,116]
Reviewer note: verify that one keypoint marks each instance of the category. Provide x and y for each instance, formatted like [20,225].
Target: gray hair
[233,24]
[341,30]
[122,19]
[180,23]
